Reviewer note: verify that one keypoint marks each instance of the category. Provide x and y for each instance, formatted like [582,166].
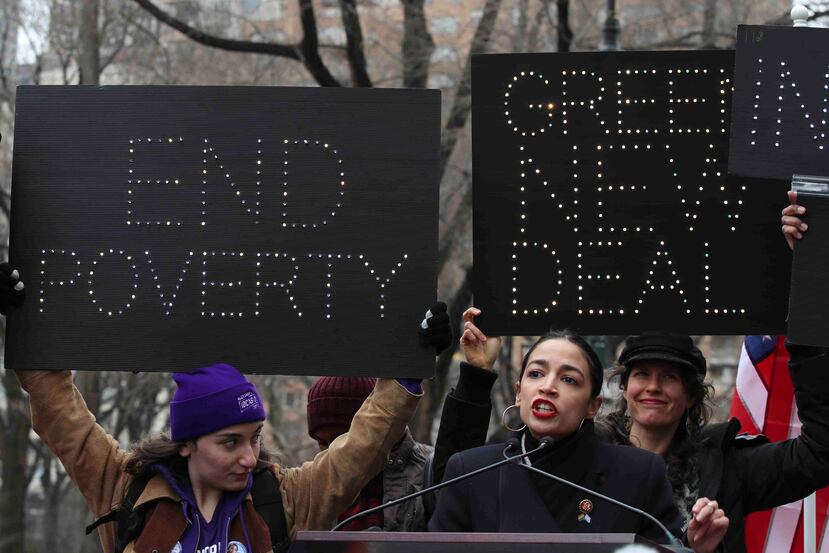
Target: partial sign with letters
[283,230]
[781,102]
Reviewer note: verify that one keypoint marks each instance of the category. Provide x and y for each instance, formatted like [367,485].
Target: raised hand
[480,350]
[435,331]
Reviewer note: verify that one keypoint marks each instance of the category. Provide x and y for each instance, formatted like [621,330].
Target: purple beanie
[212,398]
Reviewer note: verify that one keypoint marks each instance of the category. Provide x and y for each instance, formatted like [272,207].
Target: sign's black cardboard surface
[602,203]
[809,298]
[780,118]
[283,230]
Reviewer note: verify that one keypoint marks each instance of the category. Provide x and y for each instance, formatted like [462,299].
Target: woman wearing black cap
[664,411]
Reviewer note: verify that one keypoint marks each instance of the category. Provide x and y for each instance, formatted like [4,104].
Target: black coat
[508,500]
[747,474]
[744,474]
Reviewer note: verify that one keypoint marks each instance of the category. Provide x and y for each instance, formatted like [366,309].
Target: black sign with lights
[602,204]
[282,230]
[781,102]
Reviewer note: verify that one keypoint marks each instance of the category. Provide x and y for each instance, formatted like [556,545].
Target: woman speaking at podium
[557,396]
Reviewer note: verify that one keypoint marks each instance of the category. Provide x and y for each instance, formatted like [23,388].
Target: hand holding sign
[12,293]
[478,348]
[232,237]
[793,225]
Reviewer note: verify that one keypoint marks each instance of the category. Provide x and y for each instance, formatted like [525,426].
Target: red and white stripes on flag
[764,404]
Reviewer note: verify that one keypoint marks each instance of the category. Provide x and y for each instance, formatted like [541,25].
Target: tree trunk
[519,42]
[89,63]
[536,26]
[417,45]
[709,21]
[565,34]
[463,97]
[13,481]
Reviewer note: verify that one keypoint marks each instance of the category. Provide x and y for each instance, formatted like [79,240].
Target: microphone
[512,443]
[675,544]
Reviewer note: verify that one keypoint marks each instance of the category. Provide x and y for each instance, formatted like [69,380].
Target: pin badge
[585,508]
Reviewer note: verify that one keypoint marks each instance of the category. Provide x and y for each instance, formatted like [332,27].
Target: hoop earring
[580,425]
[504,420]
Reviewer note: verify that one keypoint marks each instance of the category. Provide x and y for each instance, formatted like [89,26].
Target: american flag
[764,404]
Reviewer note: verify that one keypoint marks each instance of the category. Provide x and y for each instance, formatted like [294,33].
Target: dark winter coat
[403,475]
[747,474]
[743,473]
[510,498]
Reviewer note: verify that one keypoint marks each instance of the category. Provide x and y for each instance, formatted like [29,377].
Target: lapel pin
[585,508]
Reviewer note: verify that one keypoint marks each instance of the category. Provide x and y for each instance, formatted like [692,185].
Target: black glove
[11,289]
[435,330]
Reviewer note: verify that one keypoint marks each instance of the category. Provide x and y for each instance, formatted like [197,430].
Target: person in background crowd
[558,396]
[198,478]
[332,403]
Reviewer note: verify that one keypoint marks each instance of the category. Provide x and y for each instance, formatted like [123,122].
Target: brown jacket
[312,494]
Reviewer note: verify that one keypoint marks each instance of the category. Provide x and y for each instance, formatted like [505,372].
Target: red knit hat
[334,400]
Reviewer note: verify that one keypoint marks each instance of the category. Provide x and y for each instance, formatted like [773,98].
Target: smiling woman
[664,409]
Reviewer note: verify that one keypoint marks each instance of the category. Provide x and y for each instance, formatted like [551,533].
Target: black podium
[451,542]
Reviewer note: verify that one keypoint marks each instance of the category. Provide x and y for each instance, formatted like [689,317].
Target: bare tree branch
[89,44]
[458,115]
[5,203]
[565,33]
[4,41]
[519,37]
[122,39]
[685,40]
[289,51]
[536,25]
[463,97]
[709,19]
[310,46]
[417,46]
[354,44]
[307,51]
[160,46]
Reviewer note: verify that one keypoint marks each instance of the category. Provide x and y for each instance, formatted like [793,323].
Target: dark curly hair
[681,456]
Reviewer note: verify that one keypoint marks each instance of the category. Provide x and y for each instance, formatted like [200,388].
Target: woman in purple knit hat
[207,486]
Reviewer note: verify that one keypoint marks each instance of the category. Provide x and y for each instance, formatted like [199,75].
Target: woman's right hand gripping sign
[480,350]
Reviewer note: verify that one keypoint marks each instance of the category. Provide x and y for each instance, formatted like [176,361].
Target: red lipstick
[543,408]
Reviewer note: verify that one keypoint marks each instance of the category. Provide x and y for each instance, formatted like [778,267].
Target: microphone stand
[510,445]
